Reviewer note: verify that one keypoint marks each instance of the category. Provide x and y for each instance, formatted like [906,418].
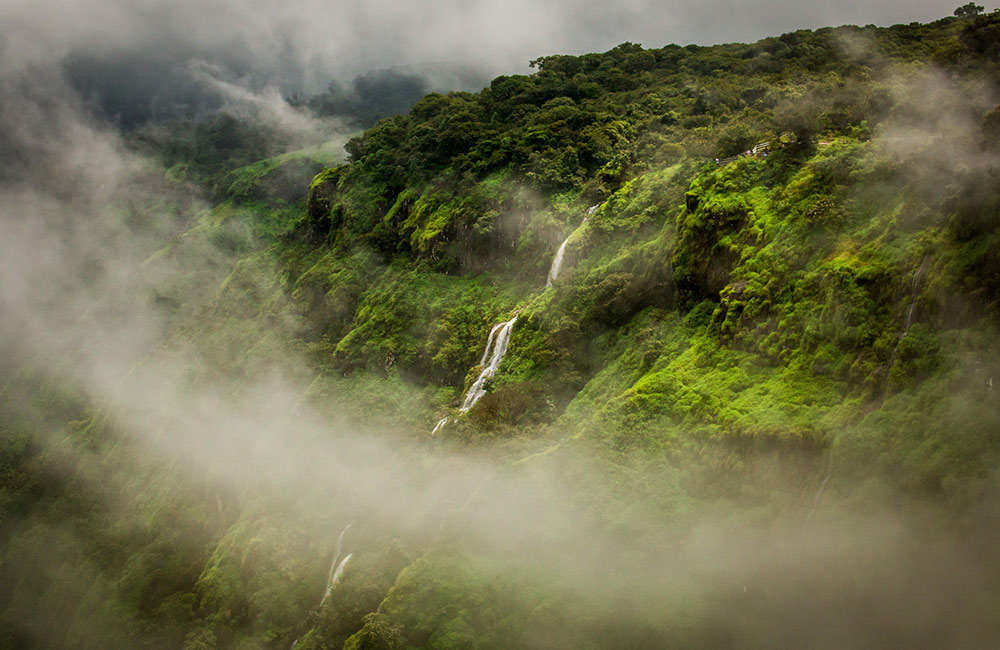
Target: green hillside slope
[755,407]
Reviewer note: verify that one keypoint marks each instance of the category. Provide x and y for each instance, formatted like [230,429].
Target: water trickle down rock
[558,259]
[557,262]
[918,276]
[500,335]
[335,568]
[496,347]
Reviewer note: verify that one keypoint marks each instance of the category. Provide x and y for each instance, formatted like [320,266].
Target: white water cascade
[558,260]
[335,568]
[496,342]
[496,347]
[340,570]
[557,263]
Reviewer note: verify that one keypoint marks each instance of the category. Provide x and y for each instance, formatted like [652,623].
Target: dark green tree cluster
[969,10]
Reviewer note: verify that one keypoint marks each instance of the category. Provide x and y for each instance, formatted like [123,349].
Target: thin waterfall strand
[333,565]
[557,263]
[335,578]
[498,340]
[558,259]
[908,321]
[489,342]
[340,570]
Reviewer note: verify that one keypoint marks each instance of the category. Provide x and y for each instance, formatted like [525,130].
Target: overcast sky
[324,38]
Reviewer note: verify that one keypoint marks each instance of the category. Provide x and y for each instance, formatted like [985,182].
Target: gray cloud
[307,41]
[134,60]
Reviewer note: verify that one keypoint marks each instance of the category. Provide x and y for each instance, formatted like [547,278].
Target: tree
[377,634]
[982,35]
[969,10]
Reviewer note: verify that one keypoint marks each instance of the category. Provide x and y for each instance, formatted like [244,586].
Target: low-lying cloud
[308,42]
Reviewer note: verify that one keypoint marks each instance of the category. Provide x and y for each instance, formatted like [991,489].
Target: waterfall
[914,287]
[558,260]
[822,487]
[335,569]
[496,347]
[489,342]
[340,570]
[557,263]
[496,342]
[335,578]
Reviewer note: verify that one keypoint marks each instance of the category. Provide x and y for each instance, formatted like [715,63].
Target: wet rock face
[708,275]
[324,214]
[706,251]
[714,273]
[318,221]
[691,201]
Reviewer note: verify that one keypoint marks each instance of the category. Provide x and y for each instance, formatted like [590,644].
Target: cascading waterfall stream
[479,380]
[340,570]
[557,263]
[498,339]
[336,566]
[558,259]
[500,335]
[489,343]
[335,578]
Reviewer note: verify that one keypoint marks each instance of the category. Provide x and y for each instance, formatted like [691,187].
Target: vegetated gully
[499,338]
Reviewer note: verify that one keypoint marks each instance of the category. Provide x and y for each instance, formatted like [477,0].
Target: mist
[133,59]
[888,576]
[296,40]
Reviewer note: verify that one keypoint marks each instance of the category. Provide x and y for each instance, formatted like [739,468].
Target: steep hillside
[783,295]
[686,347]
